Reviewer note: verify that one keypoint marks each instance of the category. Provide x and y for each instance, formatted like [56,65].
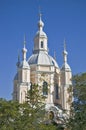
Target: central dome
[42,58]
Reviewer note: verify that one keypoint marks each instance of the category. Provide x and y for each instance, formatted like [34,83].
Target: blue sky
[62,19]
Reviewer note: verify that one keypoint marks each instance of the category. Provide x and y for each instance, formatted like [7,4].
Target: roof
[65,66]
[24,64]
[42,58]
[41,34]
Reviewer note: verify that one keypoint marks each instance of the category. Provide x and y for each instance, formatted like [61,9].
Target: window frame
[45,88]
[42,44]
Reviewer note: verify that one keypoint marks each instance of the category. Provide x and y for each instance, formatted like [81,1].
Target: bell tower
[66,81]
[22,78]
[40,40]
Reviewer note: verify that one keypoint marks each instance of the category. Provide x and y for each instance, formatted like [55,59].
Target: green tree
[9,114]
[78,109]
[36,114]
[30,115]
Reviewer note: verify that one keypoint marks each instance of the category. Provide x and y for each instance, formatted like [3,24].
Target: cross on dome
[24,40]
[24,50]
[64,45]
[65,52]
[40,16]
[40,23]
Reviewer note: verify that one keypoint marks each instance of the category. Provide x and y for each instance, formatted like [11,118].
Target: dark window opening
[57,92]
[45,88]
[41,44]
[31,86]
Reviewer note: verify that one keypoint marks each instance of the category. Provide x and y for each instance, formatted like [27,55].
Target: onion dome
[65,65]
[40,32]
[24,63]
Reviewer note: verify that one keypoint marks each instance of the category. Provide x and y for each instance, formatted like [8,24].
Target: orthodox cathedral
[42,69]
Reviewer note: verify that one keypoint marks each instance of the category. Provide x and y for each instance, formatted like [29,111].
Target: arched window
[51,115]
[56,88]
[45,88]
[31,86]
[41,44]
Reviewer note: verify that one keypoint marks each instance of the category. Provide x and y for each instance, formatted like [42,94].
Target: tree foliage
[78,109]
[27,116]
[9,114]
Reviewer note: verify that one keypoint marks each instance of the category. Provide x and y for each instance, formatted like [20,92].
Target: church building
[42,69]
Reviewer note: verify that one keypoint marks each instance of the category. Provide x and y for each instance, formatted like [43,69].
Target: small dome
[24,64]
[40,23]
[65,52]
[41,33]
[24,50]
[42,58]
[65,66]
